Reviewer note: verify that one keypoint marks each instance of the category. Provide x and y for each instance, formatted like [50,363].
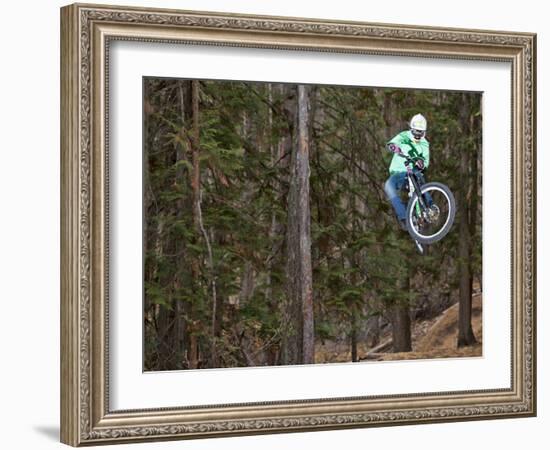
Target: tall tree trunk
[166,339]
[198,217]
[147,200]
[475,192]
[151,237]
[465,333]
[373,329]
[300,340]
[182,262]
[354,333]
[279,163]
[401,321]
[304,224]
[288,348]
[182,206]
[195,179]
[401,328]
[274,225]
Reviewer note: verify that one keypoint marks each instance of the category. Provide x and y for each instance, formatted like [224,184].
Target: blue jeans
[396,183]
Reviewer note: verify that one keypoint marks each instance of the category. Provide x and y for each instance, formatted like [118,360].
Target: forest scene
[268,238]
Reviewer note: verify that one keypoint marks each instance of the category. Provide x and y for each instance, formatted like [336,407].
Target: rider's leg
[392,186]
[427,195]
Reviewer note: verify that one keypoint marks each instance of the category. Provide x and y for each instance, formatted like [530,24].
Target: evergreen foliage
[215,286]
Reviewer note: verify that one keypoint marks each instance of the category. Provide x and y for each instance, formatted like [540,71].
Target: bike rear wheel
[429,225]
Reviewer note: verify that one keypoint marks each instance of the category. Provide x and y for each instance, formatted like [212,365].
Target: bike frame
[413,181]
[421,206]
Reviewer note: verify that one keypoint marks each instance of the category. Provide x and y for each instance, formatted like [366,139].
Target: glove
[420,164]
[394,148]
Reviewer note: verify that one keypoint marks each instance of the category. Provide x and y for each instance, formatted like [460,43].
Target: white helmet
[418,125]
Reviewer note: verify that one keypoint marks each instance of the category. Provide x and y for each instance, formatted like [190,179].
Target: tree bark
[299,340]
[466,335]
[401,321]
[354,334]
[401,328]
[465,332]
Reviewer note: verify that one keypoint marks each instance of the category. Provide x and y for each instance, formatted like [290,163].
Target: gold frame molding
[86,31]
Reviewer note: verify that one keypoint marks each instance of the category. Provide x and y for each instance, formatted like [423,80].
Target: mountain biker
[413,143]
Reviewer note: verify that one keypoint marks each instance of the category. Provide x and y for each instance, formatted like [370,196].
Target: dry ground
[435,338]
[441,338]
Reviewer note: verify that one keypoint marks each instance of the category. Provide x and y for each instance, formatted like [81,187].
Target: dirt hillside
[440,338]
[434,338]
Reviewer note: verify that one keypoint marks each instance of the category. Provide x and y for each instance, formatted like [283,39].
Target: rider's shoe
[403,224]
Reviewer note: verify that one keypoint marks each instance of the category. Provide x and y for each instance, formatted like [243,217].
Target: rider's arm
[426,155]
[399,141]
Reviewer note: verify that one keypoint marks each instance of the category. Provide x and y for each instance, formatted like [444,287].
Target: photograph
[288,224]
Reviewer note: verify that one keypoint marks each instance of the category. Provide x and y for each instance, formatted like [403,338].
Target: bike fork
[421,204]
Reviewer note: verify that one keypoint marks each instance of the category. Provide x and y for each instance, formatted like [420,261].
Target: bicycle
[431,207]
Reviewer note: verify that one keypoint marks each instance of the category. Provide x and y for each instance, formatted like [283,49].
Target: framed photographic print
[277,224]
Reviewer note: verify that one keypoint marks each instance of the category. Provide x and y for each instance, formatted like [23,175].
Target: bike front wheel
[432,221]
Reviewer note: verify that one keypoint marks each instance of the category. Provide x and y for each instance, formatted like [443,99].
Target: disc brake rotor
[432,214]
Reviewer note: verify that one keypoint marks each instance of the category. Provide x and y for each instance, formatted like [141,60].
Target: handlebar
[393,147]
[411,161]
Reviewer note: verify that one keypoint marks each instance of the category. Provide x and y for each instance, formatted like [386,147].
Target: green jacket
[410,147]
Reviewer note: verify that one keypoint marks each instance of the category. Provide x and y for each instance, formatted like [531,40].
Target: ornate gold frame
[86,31]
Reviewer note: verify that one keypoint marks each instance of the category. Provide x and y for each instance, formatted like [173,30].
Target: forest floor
[434,338]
